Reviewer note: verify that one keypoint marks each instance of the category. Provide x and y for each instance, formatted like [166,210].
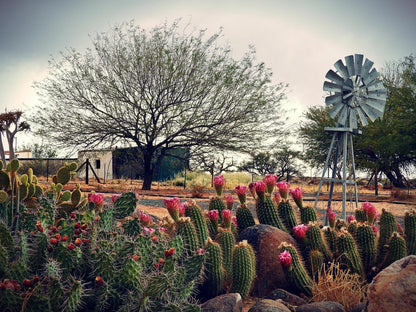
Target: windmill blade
[336,109]
[358,62]
[369,112]
[376,85]
[377,105]
[332,99]
[361,114]
[349,60]
[339,65]
[372,76]
[378,95]
[332,87]
[343,115]
[366,68]
[334,77]
[353,119]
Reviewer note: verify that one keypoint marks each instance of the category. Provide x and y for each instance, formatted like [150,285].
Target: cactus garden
[65,249]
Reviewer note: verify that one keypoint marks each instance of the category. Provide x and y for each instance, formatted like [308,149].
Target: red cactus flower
[229,201]
[370,212]
[77,225]
[277,198]
[297,196]
[213,215]
[331,217]
[85,240]
[285,258]
[375,230]
[219,183]
[172,205]
[169,253]
[58,236]
[39,227]
[270,181]
[99,281]
[27,283]
[283,189]
[73,215]
[227,218]
[252,188]
[182,208]
[299,231]
[71,246]
[350,218]
[64,238]
[35,279]
[201,251]
[241,191]
[145,219]
[135,257]
[260,188]
[155,238]
[78,242]
[54,229]
[53,241]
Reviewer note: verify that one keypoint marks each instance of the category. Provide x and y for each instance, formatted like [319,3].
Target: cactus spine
[387,225]
[348,253]
[287,214]
[410,231]
[296,273]
[267,213]
[366,245]
[244,271]
[307,214]
[215,203]
[315,241]
[330,238]
[195,213]
[244,217]
[396,249]
[214,272]
[316,260]
[226,240]
[187,231]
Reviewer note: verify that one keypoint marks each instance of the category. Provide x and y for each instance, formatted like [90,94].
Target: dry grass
[398,194]
[334,284]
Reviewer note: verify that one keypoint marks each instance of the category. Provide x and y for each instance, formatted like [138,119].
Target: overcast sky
[299,40]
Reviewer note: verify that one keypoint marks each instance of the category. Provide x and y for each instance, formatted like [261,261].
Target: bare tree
[160,90]
[10,125]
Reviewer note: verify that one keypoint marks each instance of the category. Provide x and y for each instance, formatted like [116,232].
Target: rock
[359,307]
[394,288]
[322,306]
[224,303]
[268,305]
[286,297]
[265,240]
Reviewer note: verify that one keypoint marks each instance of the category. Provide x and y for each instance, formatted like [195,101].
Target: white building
[101,162]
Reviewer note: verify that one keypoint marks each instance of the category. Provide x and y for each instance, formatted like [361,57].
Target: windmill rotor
[356,93]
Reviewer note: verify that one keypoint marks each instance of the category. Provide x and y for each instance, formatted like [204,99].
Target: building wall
[100,160]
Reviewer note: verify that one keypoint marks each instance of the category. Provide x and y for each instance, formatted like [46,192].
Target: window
[97,164]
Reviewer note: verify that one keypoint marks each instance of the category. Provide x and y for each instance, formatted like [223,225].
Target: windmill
[356,95]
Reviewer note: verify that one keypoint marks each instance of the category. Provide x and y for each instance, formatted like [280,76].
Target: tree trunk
[2,155]
[396,178]
[148,172]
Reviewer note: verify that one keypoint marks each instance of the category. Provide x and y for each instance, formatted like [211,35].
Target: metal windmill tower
[356,95]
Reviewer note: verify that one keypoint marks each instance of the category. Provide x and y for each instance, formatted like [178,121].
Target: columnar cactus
[366,245]
[307,214]
[294,270]
[186,230]
[266,211]
[287,214]
[244,272]
[348,253]
[215,203]
[244,217]
[396,249]
[193,211]
[316,260]
[315,241]
[226,240]
[387,226]
[410,231]
[214,272]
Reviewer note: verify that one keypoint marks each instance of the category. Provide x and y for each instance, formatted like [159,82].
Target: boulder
[394,288]
[286,297]
[268,305]
[322,306]
[224,303]
[265,240]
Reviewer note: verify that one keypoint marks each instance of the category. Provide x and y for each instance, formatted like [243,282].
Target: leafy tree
[40,150]
[159,90]
[261,163]
[10,125]
[386,145]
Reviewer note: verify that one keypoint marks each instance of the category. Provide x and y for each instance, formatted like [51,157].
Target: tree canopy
[160,90]
[386,145]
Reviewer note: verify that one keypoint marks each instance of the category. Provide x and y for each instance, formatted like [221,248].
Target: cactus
[214,272]
[287,214]
[360,215]
[330,238]
[6,240]
[215,203]
[348,253]
[187,231]
[132,227]
[315,241]
[307,214]
[4,180]
[130,274]
[294,269]
[395,250]
[352,228]
[267,213]
[193,211]
[410,231]
[244,272]
[366,245]
[316,261]
[74,296]
[14,165]
[387,225]
[125,205]
[244,217]
[226,240]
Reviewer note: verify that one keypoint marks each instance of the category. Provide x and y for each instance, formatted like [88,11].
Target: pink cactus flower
[182,208]
[350,218]
[370,212]
[252,188]
[299,231]
[331,217]
[219,183]
[297,196]
[227,218]
[145,219]
[285,258]
[241,191]
[201,251]
[260,188]
[270,181]
[96,198]
[375,230]
[114,197]
[213,216]
[172,205]
[234,220]
[229,201]
[148,231]
[283,189]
